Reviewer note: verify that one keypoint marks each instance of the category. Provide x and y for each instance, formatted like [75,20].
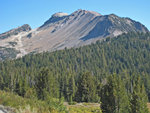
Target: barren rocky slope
[62,30]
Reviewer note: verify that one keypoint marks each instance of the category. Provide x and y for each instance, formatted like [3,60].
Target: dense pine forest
[114,72]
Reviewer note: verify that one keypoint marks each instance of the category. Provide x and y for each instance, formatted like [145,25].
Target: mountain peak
[59,14]
[54,18]
[23,28]
[86,12]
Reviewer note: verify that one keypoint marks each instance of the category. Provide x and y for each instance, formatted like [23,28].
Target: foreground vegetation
[86,74]
[24,105]
[19,104]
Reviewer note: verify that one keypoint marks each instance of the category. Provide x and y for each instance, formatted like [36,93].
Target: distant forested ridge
[80,74]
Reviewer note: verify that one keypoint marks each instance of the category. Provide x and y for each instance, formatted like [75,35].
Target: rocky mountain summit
[62,30]
[16,31]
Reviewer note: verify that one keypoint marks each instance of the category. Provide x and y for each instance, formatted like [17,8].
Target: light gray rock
[6,109]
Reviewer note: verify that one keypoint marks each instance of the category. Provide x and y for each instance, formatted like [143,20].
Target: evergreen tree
[86,88]
[114,97]
[121,97]
[42,83]
[1,83]
[139,98]
[71,88]
[66,88]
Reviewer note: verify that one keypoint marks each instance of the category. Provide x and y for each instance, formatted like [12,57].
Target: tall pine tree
[139,98]
[114,97]
[86,88]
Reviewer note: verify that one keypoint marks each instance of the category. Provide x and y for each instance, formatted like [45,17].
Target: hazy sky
[14,13]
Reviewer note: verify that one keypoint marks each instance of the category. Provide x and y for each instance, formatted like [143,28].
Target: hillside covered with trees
[114,72]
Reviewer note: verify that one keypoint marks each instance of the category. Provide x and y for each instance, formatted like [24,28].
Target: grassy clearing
[24,105]
[84,108]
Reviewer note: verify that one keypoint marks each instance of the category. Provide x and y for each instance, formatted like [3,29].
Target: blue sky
[14,13]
